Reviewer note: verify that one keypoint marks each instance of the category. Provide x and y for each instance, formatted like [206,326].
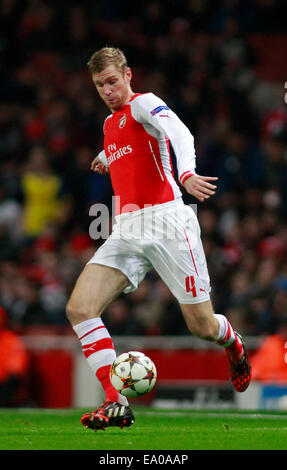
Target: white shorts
[166,238]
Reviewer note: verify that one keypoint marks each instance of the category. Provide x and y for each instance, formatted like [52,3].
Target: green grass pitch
[154,429]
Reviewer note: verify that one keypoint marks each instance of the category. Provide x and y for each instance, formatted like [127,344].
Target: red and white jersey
[136,150]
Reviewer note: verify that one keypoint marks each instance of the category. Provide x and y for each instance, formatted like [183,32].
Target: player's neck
[132,93]
[129,96]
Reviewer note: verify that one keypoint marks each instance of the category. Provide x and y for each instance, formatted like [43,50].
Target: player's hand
[200,186]
[99,167]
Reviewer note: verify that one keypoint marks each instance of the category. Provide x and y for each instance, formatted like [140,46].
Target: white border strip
[154,157]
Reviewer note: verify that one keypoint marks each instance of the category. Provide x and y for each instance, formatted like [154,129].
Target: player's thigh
[177,254]
[95,288]
[200,319]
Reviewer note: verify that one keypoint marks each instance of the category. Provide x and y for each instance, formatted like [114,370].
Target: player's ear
[129,73]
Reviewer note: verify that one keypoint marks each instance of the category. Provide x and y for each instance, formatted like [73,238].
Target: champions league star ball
[133,374]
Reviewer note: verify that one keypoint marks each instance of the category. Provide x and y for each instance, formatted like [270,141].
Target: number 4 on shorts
[190,285]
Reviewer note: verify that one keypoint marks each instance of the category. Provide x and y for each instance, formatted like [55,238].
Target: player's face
[113,86]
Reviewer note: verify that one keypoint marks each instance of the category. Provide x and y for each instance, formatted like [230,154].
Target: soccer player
[153,229]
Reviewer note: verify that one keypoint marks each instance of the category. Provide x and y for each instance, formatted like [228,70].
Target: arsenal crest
[122,121]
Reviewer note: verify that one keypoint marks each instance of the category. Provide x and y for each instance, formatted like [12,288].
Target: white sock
[226,335]
[96,343]
[97,347]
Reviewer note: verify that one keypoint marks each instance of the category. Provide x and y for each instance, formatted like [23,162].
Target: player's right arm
[100,164]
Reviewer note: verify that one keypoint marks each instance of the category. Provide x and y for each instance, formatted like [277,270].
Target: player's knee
[71,312]
[77,314]
[201,321]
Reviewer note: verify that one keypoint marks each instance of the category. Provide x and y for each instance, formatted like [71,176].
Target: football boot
[240,371]
[109,414]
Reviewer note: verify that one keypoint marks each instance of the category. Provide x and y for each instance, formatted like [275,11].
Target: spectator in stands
[43,194]
[13,365]
[270,361]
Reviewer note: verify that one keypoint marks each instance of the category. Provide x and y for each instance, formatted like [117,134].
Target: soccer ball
[133,374]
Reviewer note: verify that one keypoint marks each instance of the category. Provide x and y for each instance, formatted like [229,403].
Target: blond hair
[106,56]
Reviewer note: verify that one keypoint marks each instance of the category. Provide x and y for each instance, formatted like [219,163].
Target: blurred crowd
[202,58]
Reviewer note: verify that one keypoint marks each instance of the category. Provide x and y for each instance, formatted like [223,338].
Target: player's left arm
[155,111]
[200,187]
